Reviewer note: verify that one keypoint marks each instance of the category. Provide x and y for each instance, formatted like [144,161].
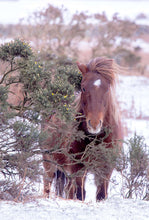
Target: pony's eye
[83,89]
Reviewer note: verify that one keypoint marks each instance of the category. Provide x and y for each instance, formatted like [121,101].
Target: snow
[132,93]
[142,43]
[58,209]
[133,96]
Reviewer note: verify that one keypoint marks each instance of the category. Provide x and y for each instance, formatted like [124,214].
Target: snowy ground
[111,209]
[133,96]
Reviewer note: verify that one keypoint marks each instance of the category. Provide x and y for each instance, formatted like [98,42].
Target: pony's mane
[105,67]
[113,105]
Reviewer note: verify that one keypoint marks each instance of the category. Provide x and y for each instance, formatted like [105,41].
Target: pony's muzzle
[94,127]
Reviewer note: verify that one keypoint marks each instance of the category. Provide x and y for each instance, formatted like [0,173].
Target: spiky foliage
[135,169]
[30,90]
[16,48]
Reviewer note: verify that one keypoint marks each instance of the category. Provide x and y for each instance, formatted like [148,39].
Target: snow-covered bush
[134,165]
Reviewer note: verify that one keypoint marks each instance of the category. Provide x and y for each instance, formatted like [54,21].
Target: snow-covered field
[57,209]
[132,93]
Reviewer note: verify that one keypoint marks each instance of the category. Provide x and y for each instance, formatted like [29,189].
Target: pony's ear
[82,67]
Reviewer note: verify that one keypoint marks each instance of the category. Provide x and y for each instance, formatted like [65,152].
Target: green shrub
[135,167]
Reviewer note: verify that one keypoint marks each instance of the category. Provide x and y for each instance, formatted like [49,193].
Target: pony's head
[97,78]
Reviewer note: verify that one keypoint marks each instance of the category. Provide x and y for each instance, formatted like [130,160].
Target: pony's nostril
[100,123]
[89,123]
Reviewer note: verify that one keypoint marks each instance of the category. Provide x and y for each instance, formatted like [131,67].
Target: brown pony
[99,110]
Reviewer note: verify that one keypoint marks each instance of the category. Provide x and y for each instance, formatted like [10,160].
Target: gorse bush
[17,48]
[30,90]
[74,77]
[17,146]
[135,169]
[3,96]
[45,87]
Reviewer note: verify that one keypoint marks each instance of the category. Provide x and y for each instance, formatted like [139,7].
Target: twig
[21,184]
[82,186]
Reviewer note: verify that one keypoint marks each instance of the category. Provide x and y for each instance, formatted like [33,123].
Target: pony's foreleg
[70,188]
[80,187]
[102,190]
[75,188]
[102,186]
[60,183]
[47,186]
[48,177]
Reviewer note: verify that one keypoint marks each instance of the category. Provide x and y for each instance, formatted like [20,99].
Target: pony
[99,120]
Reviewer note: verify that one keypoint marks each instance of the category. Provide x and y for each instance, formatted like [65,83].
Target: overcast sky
[13,10]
